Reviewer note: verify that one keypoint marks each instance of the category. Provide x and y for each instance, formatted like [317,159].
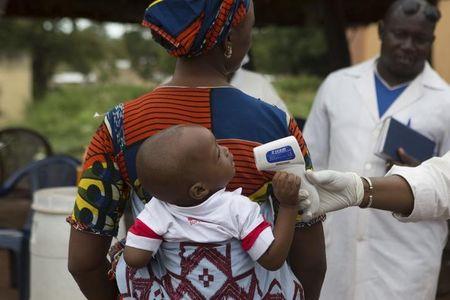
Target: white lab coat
[430,184]
[370,255]
[258,86]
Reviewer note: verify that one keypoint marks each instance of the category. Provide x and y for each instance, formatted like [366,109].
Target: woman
[210,39]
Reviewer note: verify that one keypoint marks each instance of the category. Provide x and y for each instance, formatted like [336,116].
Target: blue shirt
[386,95]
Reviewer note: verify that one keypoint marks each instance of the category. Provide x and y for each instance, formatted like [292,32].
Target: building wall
[364,42]
[441,58]
[15,88]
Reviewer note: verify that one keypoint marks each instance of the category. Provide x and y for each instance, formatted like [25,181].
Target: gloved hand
[336,190]
[305,205]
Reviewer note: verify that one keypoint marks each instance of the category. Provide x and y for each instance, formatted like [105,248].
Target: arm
[88,264]
[339,190]
[307,258]
[420,193]
[136,258]
[142,238]
[286,188]
[429,185]
[90,235]
[401,201]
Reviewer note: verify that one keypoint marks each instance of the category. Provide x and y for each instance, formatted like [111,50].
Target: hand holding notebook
[395,135]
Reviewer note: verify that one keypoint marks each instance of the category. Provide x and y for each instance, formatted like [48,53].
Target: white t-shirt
[223,216]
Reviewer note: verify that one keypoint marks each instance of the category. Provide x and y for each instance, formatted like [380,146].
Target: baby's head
[183,165]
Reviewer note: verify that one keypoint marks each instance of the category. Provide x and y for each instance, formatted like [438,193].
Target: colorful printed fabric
[237,120]
[192,27]
[206,271]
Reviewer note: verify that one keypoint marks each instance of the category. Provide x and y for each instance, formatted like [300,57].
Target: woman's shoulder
[236,114]
[236,95]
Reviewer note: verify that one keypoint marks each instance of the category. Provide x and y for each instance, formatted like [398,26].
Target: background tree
[147,58]
[50,44]
[290,50]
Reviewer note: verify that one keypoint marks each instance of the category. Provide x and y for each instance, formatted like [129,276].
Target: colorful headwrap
[189,28]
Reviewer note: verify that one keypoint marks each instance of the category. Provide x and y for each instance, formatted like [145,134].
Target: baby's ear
[198,191]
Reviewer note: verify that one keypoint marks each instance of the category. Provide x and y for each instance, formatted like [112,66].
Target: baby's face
[218,168]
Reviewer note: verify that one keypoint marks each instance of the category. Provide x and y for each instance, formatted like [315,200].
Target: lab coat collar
[365,84]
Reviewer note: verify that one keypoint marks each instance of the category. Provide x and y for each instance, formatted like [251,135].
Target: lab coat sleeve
[444,147]
[317,127]
[430,184]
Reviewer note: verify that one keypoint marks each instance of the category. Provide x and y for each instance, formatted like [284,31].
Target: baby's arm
[136,258]
[145,236]
[286,187]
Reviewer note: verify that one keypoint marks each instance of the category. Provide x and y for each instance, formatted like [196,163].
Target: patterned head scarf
[188,28]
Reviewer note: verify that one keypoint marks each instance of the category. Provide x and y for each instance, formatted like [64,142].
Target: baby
[186,171]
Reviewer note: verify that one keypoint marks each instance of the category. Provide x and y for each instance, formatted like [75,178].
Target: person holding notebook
[370,255]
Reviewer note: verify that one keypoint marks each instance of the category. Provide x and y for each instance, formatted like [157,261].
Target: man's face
[406,44]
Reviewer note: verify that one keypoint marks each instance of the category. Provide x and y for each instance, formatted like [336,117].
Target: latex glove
[305,205]
[337,190]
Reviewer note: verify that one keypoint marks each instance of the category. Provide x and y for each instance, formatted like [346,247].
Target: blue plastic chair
[54,171]
[19,147]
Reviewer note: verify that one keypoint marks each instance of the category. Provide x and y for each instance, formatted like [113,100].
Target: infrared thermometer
[285,155]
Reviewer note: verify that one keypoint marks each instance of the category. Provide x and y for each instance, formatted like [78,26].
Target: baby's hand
[285,188]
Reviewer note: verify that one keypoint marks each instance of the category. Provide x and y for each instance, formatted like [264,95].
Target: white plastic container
[49,243]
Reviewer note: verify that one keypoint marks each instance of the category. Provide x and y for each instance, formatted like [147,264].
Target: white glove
[336,190]
[305,205]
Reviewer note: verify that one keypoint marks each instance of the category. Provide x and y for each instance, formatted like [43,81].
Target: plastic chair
[54,171]
[19,147]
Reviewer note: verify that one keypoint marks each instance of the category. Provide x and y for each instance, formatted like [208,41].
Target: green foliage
[66,115]
[12,37]
[50,44]
[298,92]
[84,49]
[289,50]
[147,58]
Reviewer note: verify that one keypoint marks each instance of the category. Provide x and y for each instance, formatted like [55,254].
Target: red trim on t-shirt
[139,228]
[249,240]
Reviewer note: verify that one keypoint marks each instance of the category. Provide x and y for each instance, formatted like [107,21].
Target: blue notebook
[396,135]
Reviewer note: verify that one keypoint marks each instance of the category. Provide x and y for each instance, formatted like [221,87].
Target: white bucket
[49,242]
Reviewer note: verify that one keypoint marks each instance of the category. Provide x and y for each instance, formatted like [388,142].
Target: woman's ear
[227,45]
[198,191]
